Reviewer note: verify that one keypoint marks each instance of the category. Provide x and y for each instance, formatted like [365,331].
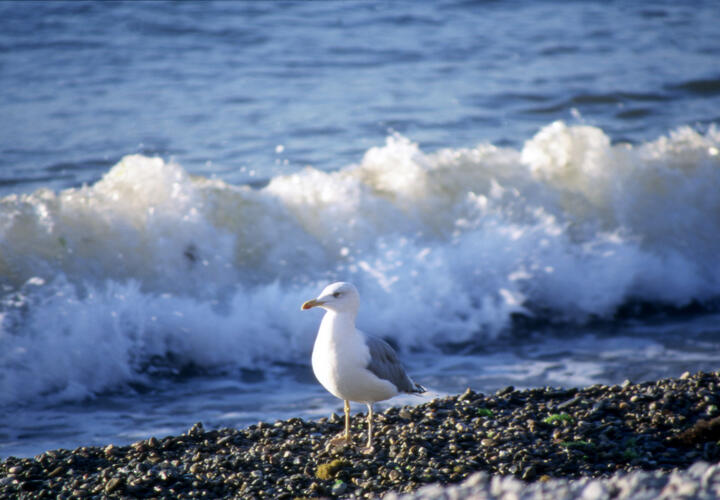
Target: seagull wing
[385,364]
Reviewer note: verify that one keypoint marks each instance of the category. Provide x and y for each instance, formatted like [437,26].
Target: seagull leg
[344,438]
[369,448]
[347,420]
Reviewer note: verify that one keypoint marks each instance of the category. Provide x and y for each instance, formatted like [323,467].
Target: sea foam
[151,262]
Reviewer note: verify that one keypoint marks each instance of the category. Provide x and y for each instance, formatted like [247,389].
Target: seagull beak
[311,303]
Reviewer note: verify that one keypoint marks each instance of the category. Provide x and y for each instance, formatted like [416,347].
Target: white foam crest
[142,221]
[660,197]
[73,346]
[149,221]
[444,247]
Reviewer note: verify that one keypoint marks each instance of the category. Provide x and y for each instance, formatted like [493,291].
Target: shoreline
[538,436]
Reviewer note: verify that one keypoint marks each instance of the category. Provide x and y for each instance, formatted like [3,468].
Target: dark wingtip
[419,389]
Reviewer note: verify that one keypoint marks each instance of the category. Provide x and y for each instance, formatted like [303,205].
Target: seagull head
[338,297]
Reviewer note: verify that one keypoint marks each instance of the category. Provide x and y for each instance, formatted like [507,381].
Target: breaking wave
[445,246]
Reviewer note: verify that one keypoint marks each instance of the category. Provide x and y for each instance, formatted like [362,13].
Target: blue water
[219,85]
[524,192]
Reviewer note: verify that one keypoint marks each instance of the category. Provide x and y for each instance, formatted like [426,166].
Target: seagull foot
[339,441]
[367,450]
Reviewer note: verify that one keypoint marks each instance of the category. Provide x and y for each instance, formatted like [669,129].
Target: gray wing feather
[384,364]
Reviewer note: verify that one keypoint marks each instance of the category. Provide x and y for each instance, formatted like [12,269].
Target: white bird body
[340,358]
[353,366]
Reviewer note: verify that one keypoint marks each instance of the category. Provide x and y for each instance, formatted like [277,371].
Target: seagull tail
[418,389]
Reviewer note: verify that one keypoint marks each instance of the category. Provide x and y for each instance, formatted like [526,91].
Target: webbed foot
[367,450]
[339,441]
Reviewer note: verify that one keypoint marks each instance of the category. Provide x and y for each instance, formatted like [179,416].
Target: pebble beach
[648,440]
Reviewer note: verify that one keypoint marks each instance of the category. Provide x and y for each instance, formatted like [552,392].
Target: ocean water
[525,193]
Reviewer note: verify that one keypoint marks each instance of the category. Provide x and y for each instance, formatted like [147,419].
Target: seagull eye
[337,294]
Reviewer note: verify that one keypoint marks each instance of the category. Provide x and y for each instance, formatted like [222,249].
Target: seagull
[350,364]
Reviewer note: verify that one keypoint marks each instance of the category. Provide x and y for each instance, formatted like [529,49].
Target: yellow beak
[311,303]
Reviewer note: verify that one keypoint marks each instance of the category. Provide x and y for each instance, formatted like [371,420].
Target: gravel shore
[548,443]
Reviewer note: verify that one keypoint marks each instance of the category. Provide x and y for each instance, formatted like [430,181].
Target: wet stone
[113,484]
[505,391]
[57,471]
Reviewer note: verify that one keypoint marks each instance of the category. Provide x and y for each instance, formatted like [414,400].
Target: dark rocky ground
[535,435]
